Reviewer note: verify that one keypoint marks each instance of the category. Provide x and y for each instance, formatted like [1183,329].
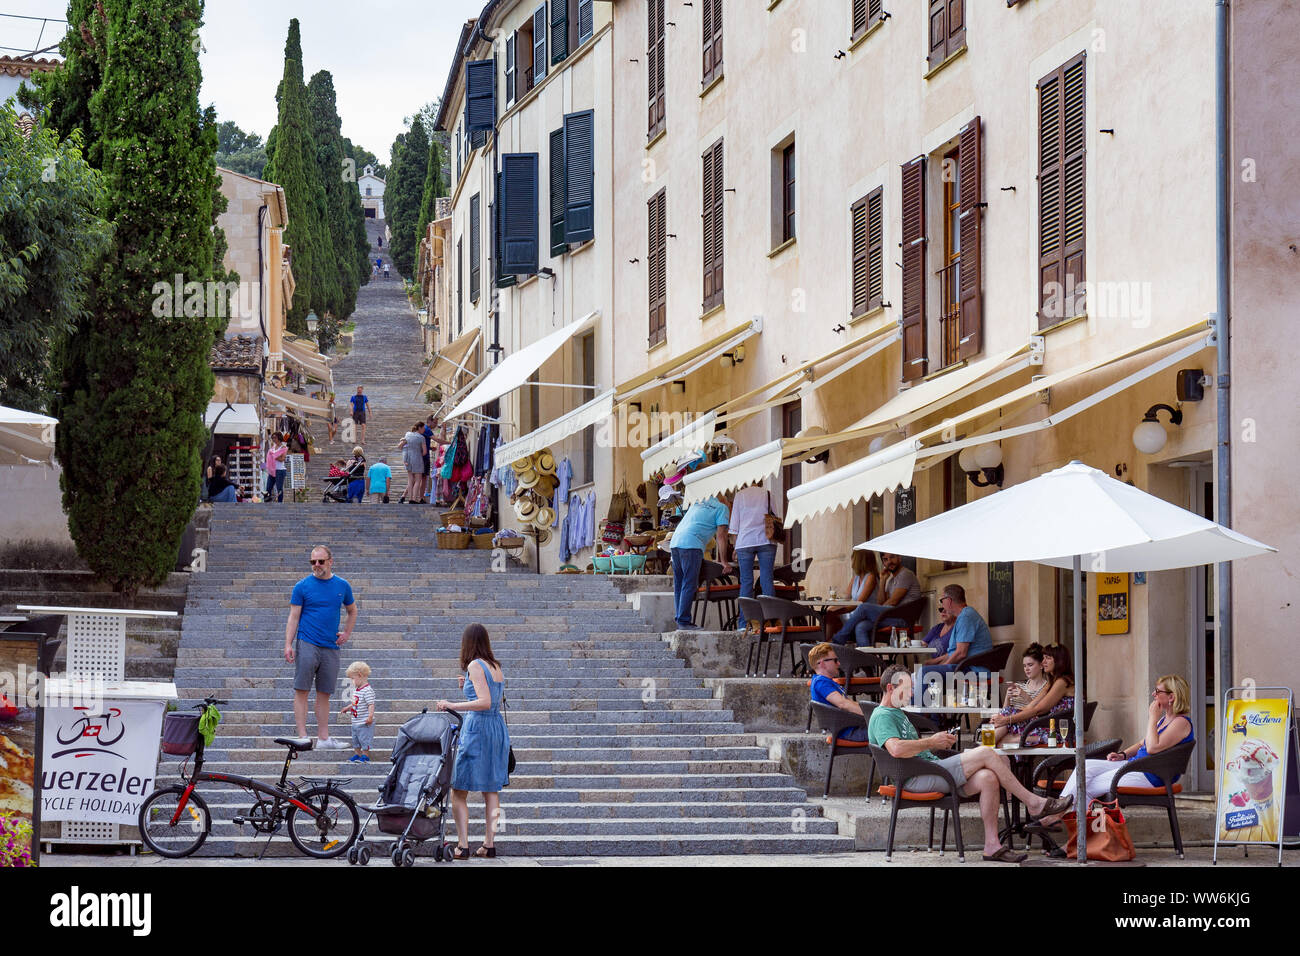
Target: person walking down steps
[312,640]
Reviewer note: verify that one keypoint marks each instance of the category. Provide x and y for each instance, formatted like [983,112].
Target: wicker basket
[454,540]
[457,513]
[482,542]
[509,543]
[639,540]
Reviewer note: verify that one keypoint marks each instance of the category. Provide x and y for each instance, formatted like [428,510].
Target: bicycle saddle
[296,743]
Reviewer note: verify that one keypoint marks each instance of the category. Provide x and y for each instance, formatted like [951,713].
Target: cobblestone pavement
[386,359]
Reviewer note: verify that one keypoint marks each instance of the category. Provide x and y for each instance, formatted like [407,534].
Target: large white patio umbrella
[26,438]
[1074,517]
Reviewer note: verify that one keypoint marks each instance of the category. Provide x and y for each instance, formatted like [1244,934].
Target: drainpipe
[261,309]
[1223,279]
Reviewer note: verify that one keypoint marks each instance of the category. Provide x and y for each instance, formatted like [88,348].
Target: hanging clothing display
[564,473]
[488,439]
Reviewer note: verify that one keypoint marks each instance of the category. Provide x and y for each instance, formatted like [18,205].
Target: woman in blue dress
[482,761]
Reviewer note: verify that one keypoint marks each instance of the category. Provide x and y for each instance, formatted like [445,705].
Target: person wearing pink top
[276,468]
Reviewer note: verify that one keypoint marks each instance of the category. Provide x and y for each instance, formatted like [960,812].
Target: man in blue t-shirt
[969,635]
[703,520]
[360,408]
[312,639]
[825,689]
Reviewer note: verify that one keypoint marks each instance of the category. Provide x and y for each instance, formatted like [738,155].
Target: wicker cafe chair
[833,720]
[995,659]
[718,589]
[901,769]
[785,613]
[1166,765]
[756,632]
[1043,722]
[1048,772]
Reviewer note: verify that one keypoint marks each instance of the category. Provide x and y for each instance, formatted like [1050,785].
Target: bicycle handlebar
[207,701]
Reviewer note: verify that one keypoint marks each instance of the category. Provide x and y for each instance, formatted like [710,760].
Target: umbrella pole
[1080,796]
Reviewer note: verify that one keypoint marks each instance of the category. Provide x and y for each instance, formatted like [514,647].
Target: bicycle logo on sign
[93,733]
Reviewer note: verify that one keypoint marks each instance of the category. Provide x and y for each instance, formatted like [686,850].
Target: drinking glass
[1065,731]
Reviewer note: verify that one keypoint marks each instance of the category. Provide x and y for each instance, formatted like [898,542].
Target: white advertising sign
[98,763]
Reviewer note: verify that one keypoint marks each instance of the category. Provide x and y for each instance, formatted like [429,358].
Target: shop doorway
[1201,636]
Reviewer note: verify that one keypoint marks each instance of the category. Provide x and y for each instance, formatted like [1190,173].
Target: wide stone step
[510,827]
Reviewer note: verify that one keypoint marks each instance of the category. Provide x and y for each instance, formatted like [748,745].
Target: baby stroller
[336,489]
[413,799]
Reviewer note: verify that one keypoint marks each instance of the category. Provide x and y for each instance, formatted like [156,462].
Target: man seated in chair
[981,771]
[825,665]
[969,634]
[898,586]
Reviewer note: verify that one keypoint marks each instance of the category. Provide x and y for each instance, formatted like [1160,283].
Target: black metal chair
[995,659]
[902,769]
[755,630]
[49,625]
[1167,765]
[718,589]
[1043,722]
[833,721]
[785,631]
[904,616]
[786,574]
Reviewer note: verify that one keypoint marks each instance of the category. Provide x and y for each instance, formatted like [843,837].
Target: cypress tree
[357,216]
[293,166]
[403,209]
[434,187]
[339,190]
[135,376]
[63,95]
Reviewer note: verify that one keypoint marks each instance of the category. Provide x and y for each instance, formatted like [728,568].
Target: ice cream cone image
[1253,817]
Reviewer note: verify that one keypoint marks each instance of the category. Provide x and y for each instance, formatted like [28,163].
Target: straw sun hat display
[544,462]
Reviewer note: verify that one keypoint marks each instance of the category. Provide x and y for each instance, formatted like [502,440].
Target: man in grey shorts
[312,639]
[981,770]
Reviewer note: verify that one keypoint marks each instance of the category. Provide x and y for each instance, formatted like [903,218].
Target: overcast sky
[388,57]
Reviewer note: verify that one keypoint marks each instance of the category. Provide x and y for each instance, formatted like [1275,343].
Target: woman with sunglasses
[1168,725]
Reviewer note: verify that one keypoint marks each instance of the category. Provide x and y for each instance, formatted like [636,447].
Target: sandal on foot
[1056,805]
[486,852]
[460,853]
[1006,855]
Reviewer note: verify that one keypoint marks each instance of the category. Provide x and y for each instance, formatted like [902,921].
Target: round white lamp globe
[1149,437]
[988,456]
[967,461]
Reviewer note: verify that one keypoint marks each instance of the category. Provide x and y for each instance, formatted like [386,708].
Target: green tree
[293,165]
[242,152]
[134,375]
[63,95]
[434,188]
[404,192]
[50,237]
[339,179]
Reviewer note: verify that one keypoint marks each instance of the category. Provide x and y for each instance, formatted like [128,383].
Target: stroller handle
[457,714]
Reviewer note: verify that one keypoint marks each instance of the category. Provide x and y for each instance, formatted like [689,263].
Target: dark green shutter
[586,21]
[539,43]
[480,95]
[559,31]
[579,176]
[558,245]
[518,203]
[475,241]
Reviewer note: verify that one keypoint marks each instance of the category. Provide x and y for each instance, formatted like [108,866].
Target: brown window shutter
[858,216]
[712,34]
[656,268]
[956,26]
[938,32]
[1061,157]
[875,248]
[913,216]
[859,18]
[655,66]
[713,225]
[971,232]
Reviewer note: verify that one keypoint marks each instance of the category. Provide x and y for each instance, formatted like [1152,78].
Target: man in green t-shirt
[980,770]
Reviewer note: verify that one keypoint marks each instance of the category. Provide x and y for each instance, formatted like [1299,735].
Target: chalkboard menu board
[1002,594]
[905,515]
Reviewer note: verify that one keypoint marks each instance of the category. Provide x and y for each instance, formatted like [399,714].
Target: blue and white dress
[483,759]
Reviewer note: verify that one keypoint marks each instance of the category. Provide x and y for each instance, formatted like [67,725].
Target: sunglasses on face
[322,561]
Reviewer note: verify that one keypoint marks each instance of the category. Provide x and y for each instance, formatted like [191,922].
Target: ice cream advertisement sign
[1252,787]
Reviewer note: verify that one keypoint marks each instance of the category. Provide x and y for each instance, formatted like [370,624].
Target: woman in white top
[863,587]
[748,523]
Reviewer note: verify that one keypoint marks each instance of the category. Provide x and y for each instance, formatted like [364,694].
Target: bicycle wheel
[177,839]
[330,828]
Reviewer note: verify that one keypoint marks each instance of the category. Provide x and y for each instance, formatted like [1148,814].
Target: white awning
[688,439]
[570,423]
[312,364]
[238,419]
[748,467]
[875,474]
[893,467]
[692,361]
[881,344]
[515,369]
[449,362]
[26,438]
[312,407]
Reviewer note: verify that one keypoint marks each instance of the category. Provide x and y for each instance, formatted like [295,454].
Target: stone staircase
[622,750]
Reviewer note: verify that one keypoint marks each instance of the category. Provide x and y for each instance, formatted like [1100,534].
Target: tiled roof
[25,65]
[241,352]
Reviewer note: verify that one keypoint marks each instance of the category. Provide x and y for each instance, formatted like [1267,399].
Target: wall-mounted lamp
[546,271]
[1149,436]
[982,465]
[634,408]
[678,386]
[735,357]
